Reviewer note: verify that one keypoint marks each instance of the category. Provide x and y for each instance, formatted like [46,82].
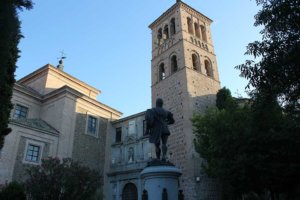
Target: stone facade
[128,153]
[89,149]
[54,115]
[12,158]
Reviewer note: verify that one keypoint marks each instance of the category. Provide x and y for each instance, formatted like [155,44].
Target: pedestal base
[161,180]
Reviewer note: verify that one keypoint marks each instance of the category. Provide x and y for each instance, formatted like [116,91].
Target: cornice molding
[35,124]
[166,13]
[184,6]
[47,68]
[68,90]
[129,117]
[27,91]
[196,13]
[63,91]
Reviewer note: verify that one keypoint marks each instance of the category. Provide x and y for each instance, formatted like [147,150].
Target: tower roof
[178,3]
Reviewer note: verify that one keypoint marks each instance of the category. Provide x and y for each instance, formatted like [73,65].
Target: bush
[13,191]
[64,180]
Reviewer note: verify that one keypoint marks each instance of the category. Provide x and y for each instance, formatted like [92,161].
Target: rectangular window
[33,153]
[118,134]
[131,127]
[92,125]
[20,112]
[144,127]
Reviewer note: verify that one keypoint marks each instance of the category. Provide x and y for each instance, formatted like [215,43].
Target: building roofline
[27,90]
[62,90]
[177,4]
[67,89]
[60,72]
[129,117]
[35,124]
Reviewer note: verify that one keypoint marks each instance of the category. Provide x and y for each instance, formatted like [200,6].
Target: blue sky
[108,43]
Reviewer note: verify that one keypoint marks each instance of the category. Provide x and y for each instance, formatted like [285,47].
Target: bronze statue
[157,121]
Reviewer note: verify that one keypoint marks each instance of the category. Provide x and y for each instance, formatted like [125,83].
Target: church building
[54,115]
[57,115]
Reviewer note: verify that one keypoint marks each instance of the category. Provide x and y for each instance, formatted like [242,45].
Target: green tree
[225,100]
[252,149]
[220,138]
[10,36]
[13,191]
[275,77]
[64,180]
[277,70]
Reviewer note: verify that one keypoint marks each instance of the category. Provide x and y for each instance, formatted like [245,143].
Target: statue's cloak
[157,120]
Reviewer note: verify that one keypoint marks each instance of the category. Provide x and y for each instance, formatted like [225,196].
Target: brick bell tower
[185,75]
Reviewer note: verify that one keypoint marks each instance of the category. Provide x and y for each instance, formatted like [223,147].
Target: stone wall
[190,89]
[128,157]
[89,149]
[20,168]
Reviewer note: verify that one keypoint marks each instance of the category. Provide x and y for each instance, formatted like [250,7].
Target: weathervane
[60,66]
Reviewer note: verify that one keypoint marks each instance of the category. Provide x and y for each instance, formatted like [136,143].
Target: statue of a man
[157,120]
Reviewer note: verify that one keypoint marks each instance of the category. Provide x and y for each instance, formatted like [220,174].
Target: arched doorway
[129,192]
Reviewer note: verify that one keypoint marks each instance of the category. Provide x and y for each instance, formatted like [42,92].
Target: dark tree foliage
[10,36]
[224,99]
[13,191]
[253,149]
[278,68]
[61,180]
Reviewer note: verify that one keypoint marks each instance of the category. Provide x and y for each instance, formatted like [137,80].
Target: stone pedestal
[161,180]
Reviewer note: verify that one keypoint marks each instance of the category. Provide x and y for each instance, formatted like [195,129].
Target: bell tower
[184,74]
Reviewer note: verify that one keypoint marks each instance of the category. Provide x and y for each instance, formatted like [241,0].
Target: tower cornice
[181,5]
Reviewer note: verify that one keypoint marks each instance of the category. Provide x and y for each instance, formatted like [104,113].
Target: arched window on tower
[159,35]
[208,68]
[203,33]
[166,32]
[190,25]
[172,26]
[174,66]
[162,72]
[196,62]
[197,29]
